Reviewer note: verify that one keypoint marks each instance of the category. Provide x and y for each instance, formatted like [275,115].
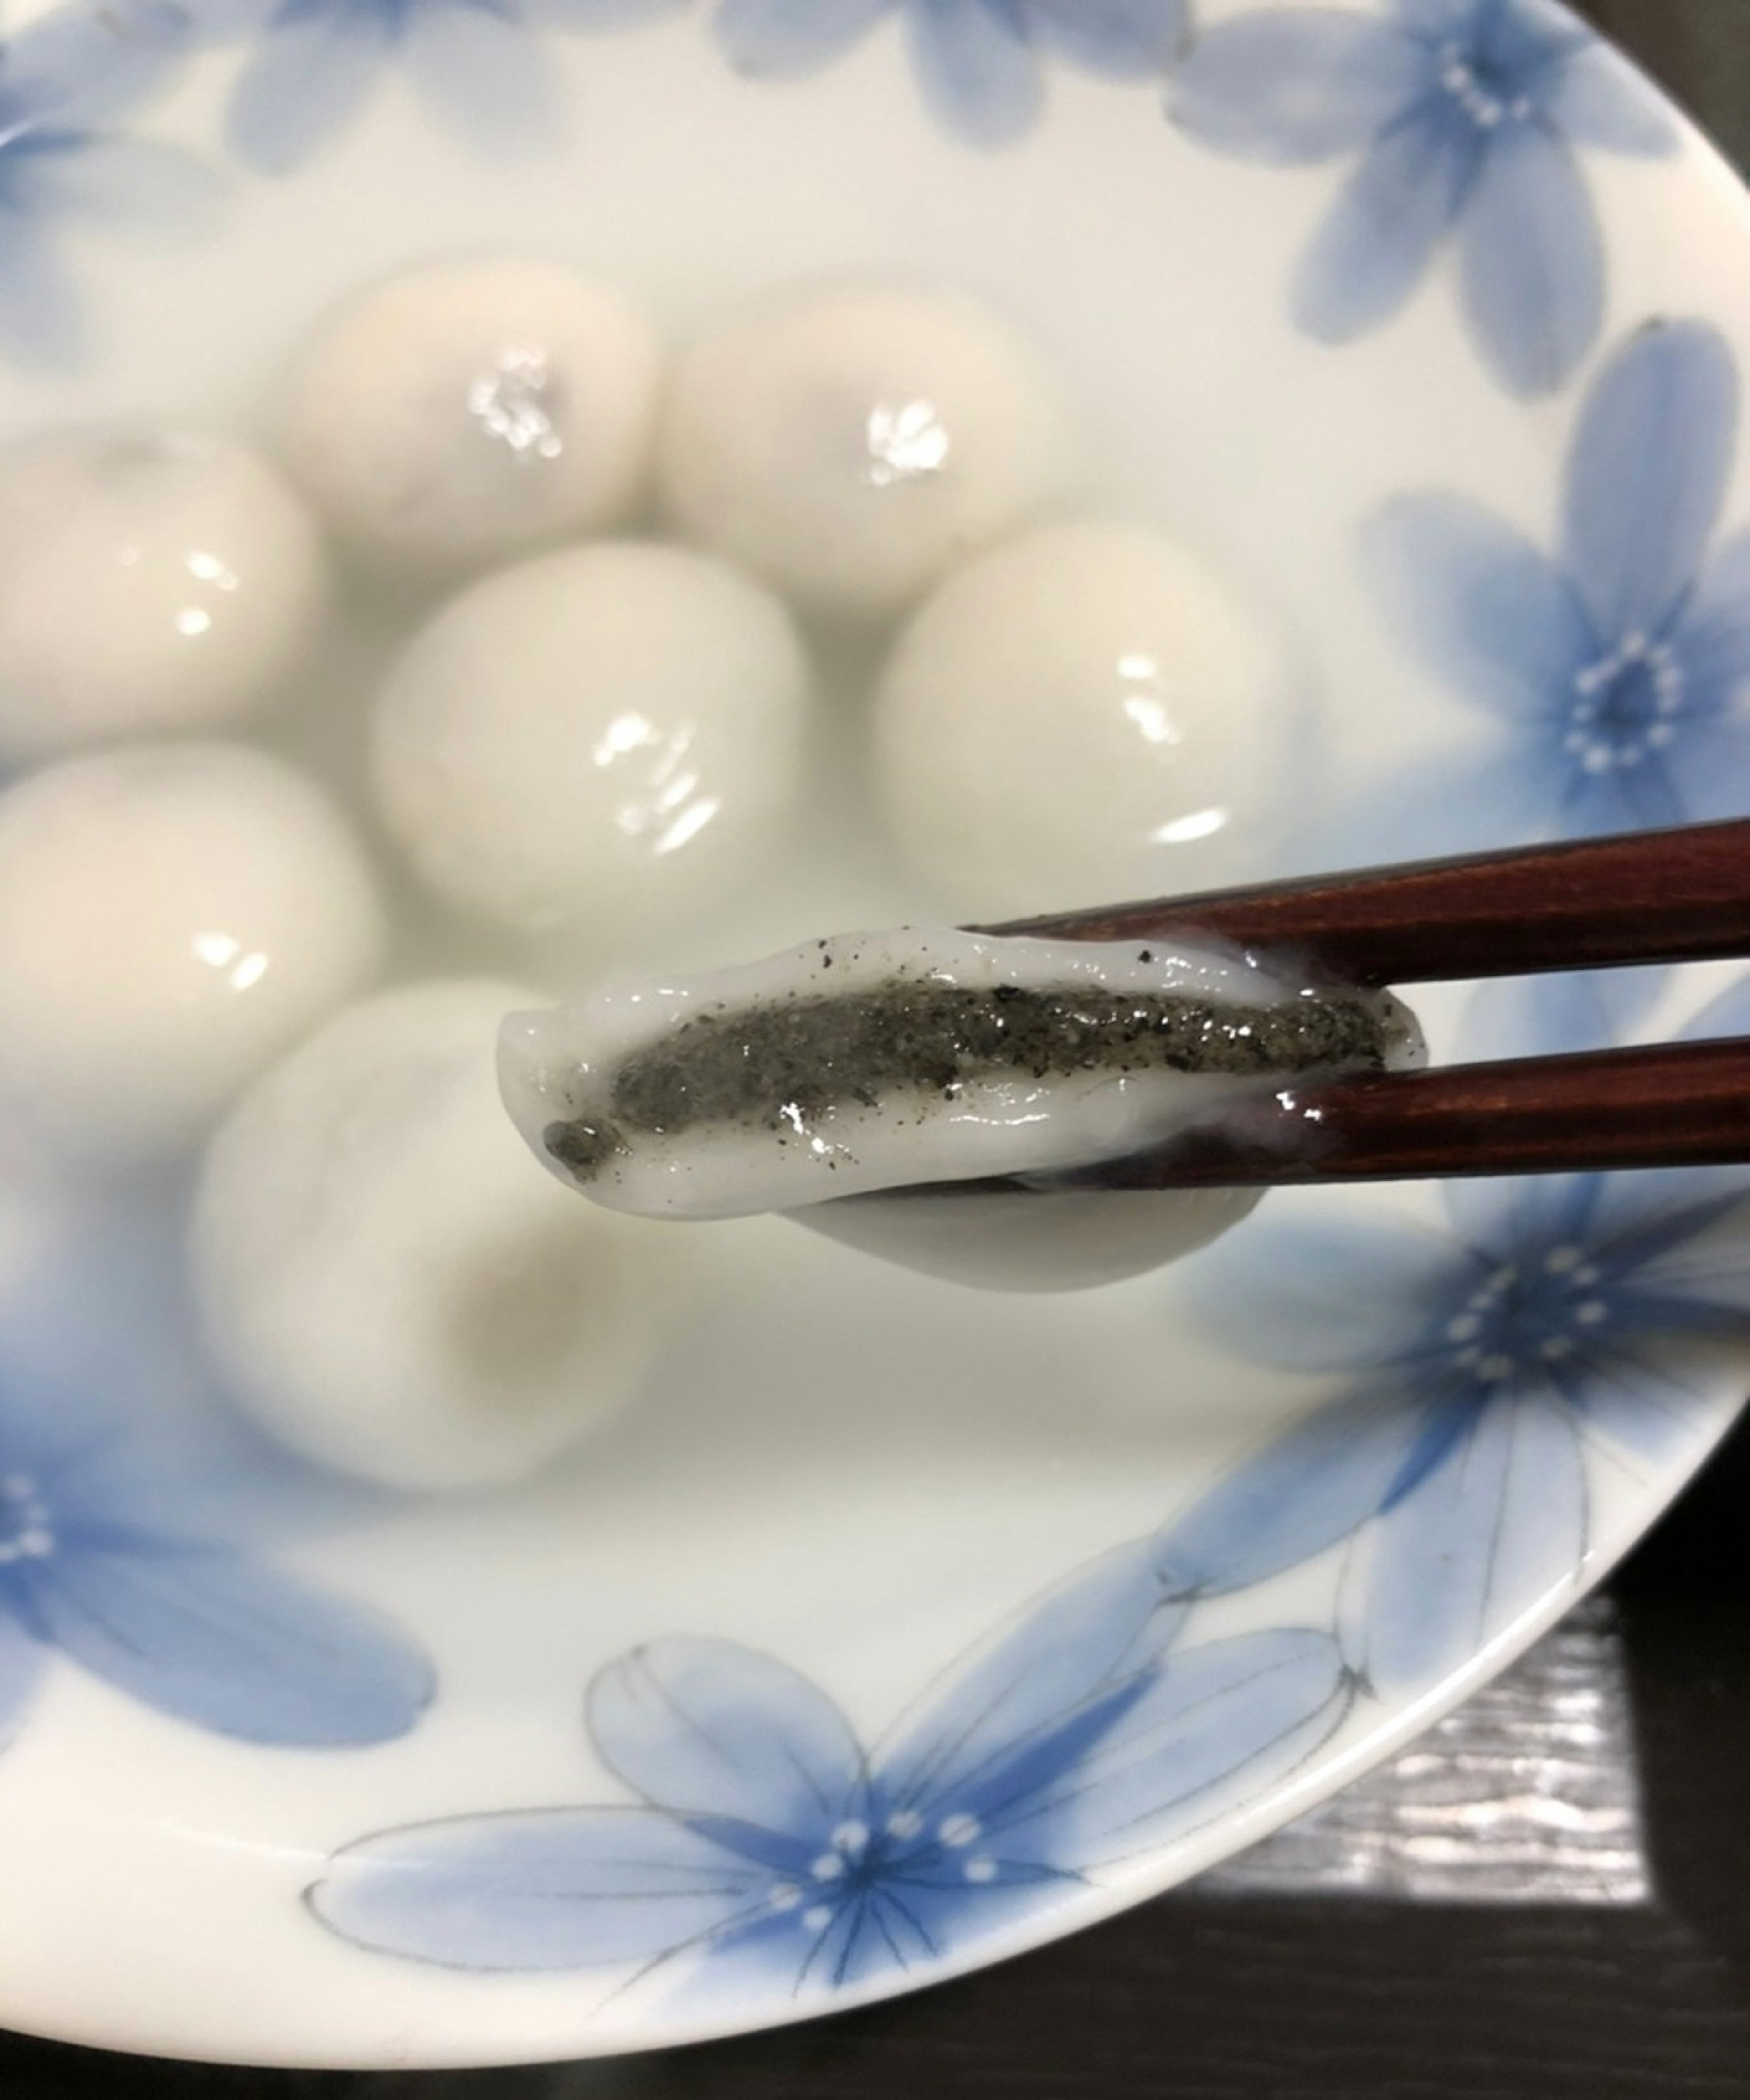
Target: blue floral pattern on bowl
[978,62]
[67,82]
[1613,678]
[1483,1369]
[121,1542]
[768,1848]
[478,66]
[1486,1370]
[1466,115]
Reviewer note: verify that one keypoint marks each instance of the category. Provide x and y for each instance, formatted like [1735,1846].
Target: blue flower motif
[120,1524]
[1466,114]
[1559,1318]
[96,1562]
[1614,678]
[977,61]
[772,1849]
[474,63]
[64,82]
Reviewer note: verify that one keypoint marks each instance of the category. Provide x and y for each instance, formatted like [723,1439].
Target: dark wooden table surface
[1309,1998]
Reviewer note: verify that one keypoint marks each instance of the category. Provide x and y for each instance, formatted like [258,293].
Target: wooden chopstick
[1653,897]
[1656,897]
[1674,1104]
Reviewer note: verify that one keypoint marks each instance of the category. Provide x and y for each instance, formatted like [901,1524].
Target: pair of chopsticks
[1656,897]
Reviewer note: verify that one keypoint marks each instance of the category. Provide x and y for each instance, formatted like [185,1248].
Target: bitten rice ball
[852,444]
[1088,713]
[608,731]
[149,580]
[463,412]
[171,916]
[389,1284]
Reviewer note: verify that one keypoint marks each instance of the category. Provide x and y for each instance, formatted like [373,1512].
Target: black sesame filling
[777,1067]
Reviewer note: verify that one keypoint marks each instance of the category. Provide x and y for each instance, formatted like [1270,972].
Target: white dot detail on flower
[959,1831]
[904,1823]
[785,1895]
[817,1918]
[851,1838]
[828,1867]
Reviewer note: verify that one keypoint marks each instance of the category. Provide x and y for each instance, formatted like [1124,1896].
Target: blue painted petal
[1477,601]
[1220,1725]
[1647,798]
[308,76]
[1708,768]
[1289,89]
[604,17]
[563,1888]
[1500,788]
[1126,39]
[1484,1538]
[1599,98]
[1676,1247]
[1373,250]
[706,1727]
[486,78]
[88,65]
[1641,1216]
[1728,1014]
[229,1646]
[1082,1639]
[1712,639]
[140,187]
[1522,42]
[1321,1291]
[1314,1485]
[1439,18]
[221,22]
[1521,1219]
[1532,261]
[789,39]
[1647,472]
[1550,1017]
[21,1660]
[1635,1394]
[41,323]
[978,69]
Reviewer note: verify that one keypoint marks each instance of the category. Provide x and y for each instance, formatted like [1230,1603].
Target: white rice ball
[149,580]
[389,1283]
[171,916]
[465,412]
[608,730]
[852,444]
[1088,713]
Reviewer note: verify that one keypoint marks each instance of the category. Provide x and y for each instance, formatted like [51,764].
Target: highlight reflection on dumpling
[610,732]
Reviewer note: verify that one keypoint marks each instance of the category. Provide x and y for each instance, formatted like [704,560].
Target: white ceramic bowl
[900,1628]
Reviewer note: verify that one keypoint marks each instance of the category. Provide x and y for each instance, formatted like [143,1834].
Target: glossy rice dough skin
[151,578]
[851,443]
[465,412]
[388,1284]
[1087,713]
[1039,1240]
[614,730]
[171,916]
[564,1074]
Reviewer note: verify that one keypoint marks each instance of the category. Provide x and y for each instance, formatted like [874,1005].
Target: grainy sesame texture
[790,1061]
